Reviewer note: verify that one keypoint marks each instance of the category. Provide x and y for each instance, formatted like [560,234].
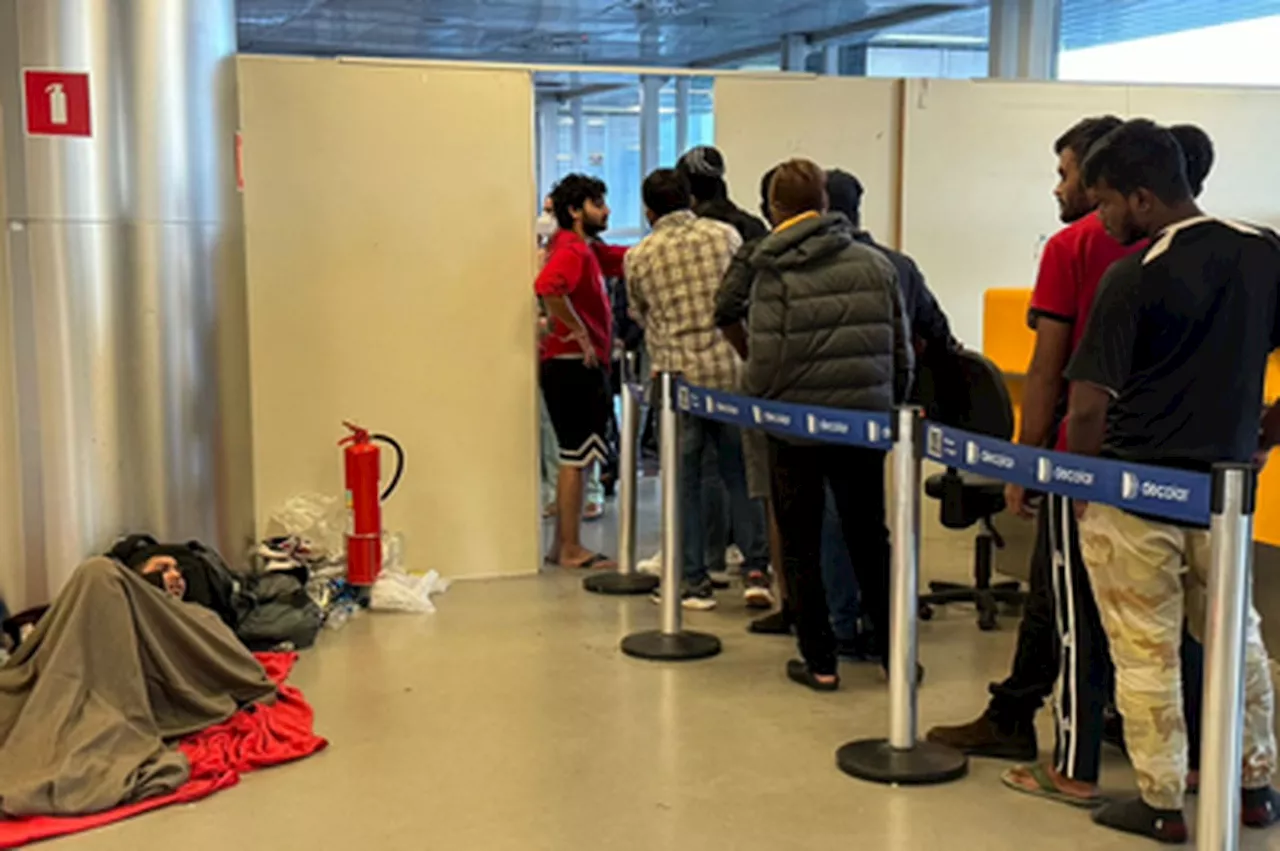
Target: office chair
[965,390]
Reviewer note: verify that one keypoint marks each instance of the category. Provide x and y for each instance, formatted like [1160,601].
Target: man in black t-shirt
[1170,372]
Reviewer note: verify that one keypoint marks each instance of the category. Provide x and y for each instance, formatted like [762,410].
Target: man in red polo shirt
[576,352]
[1062,649]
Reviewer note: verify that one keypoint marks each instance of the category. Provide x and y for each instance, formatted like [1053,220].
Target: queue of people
[1153,323]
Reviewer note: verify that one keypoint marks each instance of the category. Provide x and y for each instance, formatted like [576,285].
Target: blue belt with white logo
[1178,495]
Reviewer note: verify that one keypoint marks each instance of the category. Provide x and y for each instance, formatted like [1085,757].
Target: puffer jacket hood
[827,325]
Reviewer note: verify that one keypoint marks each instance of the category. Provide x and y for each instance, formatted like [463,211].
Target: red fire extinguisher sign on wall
[57,103]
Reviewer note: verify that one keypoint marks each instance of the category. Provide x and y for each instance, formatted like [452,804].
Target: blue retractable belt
[1178,495]
[869,429]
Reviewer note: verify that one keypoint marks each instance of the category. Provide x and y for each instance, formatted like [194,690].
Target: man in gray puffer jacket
[827,327]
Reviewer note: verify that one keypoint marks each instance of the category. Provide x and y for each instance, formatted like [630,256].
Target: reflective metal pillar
[1024,41]
[126,282]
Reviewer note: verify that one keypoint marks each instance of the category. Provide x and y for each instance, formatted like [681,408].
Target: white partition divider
[978,179]
[846,122]
[389,221]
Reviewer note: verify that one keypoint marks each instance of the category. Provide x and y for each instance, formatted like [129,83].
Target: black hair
[1139,154]
[765,181]
[844,193]
[1084,134]
[1197,149]
[666,191]
[572,193]
[703,166]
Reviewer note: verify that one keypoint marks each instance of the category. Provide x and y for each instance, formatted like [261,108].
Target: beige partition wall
[845,122]
[389,217]
[978,178]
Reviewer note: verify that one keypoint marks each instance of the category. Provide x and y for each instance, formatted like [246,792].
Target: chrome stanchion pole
[1231,534]
[626,579]
[901,759]
[671,641]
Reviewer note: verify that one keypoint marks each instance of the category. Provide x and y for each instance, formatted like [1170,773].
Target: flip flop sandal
[595,560]
[593,511]
[1045,788]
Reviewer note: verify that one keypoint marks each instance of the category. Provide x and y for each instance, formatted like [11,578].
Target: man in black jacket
[847,348]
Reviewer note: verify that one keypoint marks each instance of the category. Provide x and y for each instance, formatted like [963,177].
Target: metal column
[650,124]
[1231,525]
[1024,40]
[127,273]
[682,114]
[671,642]
[901,759]
[626,579]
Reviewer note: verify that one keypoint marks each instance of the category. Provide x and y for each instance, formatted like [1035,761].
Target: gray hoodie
[827,325]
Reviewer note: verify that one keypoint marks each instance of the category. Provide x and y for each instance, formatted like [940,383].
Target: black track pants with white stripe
[1085,672]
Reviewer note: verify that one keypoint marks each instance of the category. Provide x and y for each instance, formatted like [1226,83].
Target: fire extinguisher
[363,462]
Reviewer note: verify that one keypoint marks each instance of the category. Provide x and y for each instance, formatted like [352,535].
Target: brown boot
[984,737]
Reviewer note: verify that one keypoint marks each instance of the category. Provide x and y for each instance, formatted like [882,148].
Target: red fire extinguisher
[364,468]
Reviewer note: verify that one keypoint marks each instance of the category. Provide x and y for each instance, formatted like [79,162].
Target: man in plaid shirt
[672,278]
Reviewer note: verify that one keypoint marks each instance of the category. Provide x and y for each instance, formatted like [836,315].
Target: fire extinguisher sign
[57,103]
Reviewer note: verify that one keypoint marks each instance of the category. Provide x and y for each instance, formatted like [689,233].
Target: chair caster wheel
[987,621]
[925,612]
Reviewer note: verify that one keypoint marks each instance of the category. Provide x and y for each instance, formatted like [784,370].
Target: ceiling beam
[864,26]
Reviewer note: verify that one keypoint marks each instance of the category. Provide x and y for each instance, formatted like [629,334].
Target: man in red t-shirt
[1060,639]
[576,352]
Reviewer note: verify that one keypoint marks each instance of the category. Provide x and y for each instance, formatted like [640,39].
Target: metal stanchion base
[923,765]
[614,582]
[656,644]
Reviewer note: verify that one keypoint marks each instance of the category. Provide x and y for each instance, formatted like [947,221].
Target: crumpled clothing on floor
[257,736]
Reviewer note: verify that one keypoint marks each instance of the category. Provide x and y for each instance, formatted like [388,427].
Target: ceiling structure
[675,32]
[618,32]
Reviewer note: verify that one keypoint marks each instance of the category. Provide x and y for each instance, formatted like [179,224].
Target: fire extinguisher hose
[395,479]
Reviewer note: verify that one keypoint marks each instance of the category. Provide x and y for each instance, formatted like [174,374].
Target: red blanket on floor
[255,737]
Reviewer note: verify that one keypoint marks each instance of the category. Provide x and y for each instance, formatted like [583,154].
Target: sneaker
[733,556]
[698,598]
[1259,807]
[719,580]
[984,737]
[652,566]
[758,591]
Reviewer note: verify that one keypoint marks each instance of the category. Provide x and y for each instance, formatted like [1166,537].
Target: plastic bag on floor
[397,591]
[318,520]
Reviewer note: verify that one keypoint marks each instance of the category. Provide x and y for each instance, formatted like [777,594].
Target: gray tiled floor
[509,720]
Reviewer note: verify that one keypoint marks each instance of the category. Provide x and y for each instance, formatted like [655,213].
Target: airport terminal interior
[318,348]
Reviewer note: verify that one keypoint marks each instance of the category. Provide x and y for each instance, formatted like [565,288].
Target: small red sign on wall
[57,103]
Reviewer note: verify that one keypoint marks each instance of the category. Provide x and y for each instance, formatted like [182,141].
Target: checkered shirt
[672,277]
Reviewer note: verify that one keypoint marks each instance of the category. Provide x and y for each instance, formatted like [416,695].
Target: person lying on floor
[116,667]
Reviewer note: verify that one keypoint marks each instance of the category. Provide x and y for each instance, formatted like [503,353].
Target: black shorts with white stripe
[578,401]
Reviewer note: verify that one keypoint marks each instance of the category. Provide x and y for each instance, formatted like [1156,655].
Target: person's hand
[1080,506]
[1015,498]
[1260,458]
[589,356]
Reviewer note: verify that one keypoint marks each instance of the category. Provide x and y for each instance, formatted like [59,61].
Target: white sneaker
[733,556]
[651,566]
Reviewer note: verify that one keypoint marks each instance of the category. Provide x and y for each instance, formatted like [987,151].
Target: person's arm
[903,349]
[612,258]
[637,304]
[1087,421]
[1052,316]
[557,280]
[1101,365]
[733,299]
[930,320]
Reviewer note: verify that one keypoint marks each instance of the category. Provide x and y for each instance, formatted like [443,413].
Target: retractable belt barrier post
[626,579]
[1231,525]
[1178,495]
[671,642]
[900,758]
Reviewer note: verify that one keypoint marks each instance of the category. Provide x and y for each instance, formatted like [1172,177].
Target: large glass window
[594,128]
